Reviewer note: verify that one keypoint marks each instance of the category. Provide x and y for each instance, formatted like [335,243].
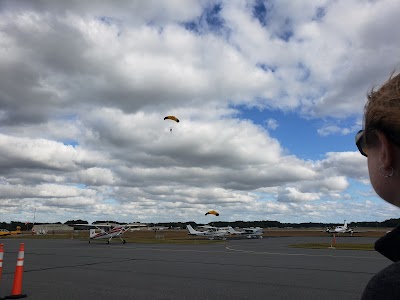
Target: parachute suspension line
[212,212]
[172,118]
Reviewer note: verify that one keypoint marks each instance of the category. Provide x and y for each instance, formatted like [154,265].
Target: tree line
[276,224]
[391,223]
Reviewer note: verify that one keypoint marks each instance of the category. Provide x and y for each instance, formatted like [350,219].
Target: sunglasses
[360,142]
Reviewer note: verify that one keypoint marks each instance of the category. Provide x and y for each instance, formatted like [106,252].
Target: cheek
[383,186]
[374,176]
[371,168]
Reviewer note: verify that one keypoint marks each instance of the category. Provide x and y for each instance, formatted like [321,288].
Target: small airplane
[210,233]
[213,228]
[5,232]
[251,232]
[17,231]
[106,231]
[340,229]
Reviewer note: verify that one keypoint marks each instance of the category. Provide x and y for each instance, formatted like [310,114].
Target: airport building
[51,228]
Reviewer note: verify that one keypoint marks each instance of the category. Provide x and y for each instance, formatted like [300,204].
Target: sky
[269,95]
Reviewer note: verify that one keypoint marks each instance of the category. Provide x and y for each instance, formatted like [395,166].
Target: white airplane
[340,229]
[213,228]
[105,231]
[211,232]
[251,232]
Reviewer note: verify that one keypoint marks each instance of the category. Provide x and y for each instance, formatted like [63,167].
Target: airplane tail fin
[92,232]
[233,231]
[191,230]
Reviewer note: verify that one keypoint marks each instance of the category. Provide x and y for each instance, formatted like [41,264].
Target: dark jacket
[386,283]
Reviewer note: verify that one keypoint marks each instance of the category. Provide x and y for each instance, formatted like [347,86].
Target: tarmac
[236,269]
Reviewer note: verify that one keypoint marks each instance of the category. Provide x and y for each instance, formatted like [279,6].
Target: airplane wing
[91,226]
[207,227]
[233,231]
[250,230]
[135,225]
[213,229]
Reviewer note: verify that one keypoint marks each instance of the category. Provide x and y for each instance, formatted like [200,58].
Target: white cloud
[335,129]
[293,195]
[85,86]
[272,124]
[349,164]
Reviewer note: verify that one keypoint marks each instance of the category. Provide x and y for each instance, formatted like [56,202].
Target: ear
[387,150]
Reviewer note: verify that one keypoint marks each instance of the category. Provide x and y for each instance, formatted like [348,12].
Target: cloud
[272,124]
[85,88]
[293,195]
[349,164]
[43,154]
[334,129]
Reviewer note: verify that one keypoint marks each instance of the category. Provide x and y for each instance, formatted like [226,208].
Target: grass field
[181,237]
[142,236]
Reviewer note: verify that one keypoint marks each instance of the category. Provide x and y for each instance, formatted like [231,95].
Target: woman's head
[382,110]
[381,139]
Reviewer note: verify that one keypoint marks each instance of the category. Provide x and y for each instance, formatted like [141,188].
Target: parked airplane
[340,229]
[5,232]
[17,231]
[213,228]
[251,232]
[211,232]
[105,231]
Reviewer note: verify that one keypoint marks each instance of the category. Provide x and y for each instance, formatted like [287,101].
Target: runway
[236,269]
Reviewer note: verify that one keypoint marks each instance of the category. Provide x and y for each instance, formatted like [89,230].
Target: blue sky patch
[260,12]
[209,21]
[267,67]
[298,135]
[72,143]
[319,14]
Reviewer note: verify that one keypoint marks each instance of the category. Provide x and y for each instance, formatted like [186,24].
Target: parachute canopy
[173,118]
[212,212]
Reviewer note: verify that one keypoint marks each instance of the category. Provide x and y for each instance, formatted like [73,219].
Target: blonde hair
[382,110]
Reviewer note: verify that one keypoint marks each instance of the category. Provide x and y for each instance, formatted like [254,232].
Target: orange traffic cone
[333,242]
[16,291]
[1,260]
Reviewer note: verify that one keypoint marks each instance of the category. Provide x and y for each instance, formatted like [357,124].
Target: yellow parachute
[173,118]
[212,212]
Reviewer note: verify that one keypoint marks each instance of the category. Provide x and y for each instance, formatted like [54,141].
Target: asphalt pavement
[237,269]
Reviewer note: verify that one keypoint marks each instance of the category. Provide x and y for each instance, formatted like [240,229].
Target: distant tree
[3,225]
[191,223]
[391,223]
[264,224]
[14,224]
[76,222]
[98,222]
[70,222]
